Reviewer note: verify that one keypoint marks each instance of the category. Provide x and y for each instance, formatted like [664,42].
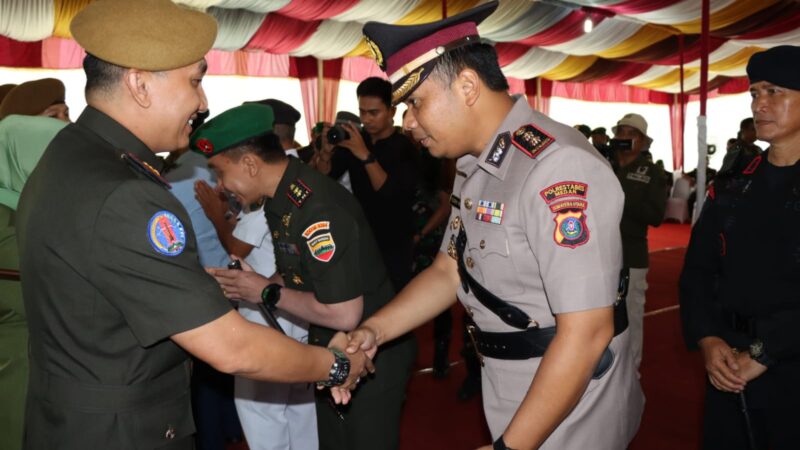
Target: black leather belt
[530,343]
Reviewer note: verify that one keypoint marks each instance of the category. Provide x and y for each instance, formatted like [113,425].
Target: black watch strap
[500,444]
[370,159]
[271,295]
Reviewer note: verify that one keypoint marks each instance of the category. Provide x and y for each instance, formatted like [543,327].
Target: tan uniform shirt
[541,209]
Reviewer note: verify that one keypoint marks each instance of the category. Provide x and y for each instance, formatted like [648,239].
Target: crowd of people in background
[374,206]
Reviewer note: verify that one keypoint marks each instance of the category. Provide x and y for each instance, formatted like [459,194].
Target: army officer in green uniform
[111,281]
[330,271]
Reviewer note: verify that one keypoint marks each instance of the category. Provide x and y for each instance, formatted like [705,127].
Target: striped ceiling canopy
[633,42]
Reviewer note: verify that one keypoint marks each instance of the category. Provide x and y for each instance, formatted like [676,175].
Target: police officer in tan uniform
[532,249]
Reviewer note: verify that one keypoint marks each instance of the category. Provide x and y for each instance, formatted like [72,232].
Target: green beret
[231,128]
[152,35]
[5,89]
[32,98]
[776,66]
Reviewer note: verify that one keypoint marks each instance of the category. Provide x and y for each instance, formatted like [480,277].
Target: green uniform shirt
[323,243]
[644,185]
[110,272]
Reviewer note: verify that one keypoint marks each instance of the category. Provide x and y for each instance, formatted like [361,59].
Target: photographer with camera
[643,183]
[383,174]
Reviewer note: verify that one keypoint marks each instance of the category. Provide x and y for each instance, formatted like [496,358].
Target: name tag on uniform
[287,248]
[638,177]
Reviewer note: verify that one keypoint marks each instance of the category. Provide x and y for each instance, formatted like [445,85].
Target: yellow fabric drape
[642,39]
[668,79]
[734,61]
[736,11]
[360,50]
[65,10]
[571,67]
[431,11]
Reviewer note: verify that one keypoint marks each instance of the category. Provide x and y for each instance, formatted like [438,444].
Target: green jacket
[109,272]
[644,184]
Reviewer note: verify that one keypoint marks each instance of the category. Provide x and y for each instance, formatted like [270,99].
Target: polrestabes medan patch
[499,149]
[531,140]
[166,233]
[571,230]
[564,189]
[298,192]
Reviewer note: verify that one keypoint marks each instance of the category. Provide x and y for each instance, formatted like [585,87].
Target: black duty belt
[102,398]
[532,341]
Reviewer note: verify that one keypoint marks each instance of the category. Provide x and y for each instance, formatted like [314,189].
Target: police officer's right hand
[363,339]
[721,365]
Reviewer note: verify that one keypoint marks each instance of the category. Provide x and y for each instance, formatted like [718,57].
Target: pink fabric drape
[677,130]
[316,9]
[607,92]
[60,53]
[306,70]
[254,64]
[541,102]
[360,68]
[639,6]
[281,34]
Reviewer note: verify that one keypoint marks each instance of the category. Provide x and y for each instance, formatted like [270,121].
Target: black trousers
[774,428]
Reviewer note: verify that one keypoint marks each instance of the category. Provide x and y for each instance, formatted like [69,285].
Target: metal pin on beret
[152,35]
[776,66]
[232,128]
[32,97]
[409,53]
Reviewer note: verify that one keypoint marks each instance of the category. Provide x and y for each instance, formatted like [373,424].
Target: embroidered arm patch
[166,233]
[566,199]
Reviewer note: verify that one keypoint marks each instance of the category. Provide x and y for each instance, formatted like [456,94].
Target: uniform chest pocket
[488,258]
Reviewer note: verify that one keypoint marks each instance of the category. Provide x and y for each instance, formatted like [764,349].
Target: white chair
[678,203]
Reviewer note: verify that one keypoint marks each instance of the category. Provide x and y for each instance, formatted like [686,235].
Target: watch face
[756,349]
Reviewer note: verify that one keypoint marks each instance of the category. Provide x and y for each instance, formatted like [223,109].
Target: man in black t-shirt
[383,174]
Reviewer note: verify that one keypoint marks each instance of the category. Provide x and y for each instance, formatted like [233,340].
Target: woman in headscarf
[23,139]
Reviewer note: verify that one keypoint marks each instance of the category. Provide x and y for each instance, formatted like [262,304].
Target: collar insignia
[298,192]
[498,152]
[531,140]
[145,169]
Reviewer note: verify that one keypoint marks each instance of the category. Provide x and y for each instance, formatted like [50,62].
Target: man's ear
[250,164]
[468,84]
[138,83]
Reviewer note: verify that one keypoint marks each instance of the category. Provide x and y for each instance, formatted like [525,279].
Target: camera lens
[337,134]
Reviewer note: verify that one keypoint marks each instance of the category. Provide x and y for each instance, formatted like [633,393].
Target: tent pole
[539,94]
[702,141]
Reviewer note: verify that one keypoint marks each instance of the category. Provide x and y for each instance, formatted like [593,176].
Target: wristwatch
[500,444]
[340,369]
[758,354]
[370,159]
[271,295]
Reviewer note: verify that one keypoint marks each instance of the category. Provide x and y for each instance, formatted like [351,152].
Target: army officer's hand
[721,365]
[360,366]
[749,369]
[240,284]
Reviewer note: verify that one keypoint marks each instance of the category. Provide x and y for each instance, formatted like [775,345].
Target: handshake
[360,346]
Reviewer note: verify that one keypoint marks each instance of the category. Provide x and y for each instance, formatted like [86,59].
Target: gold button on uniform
[276,234]
[456,223]
[482,244]
[296,279]
[470,262]
[170,433]
[468,204]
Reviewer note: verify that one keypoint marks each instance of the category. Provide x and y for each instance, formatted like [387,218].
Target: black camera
[337,134]
[621,145]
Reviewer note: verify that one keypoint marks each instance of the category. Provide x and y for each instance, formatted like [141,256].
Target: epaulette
[298,192]
[531,140]
[145,169]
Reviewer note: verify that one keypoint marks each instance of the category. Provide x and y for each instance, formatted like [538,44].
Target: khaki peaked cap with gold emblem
[32,97]
[408,53]
[152,35]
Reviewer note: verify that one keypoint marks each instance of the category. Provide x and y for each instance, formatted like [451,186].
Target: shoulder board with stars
[298,192]
[139,166]
[531,140]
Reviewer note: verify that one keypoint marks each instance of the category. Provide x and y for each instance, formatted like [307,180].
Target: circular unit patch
[166,233]
[571,228]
